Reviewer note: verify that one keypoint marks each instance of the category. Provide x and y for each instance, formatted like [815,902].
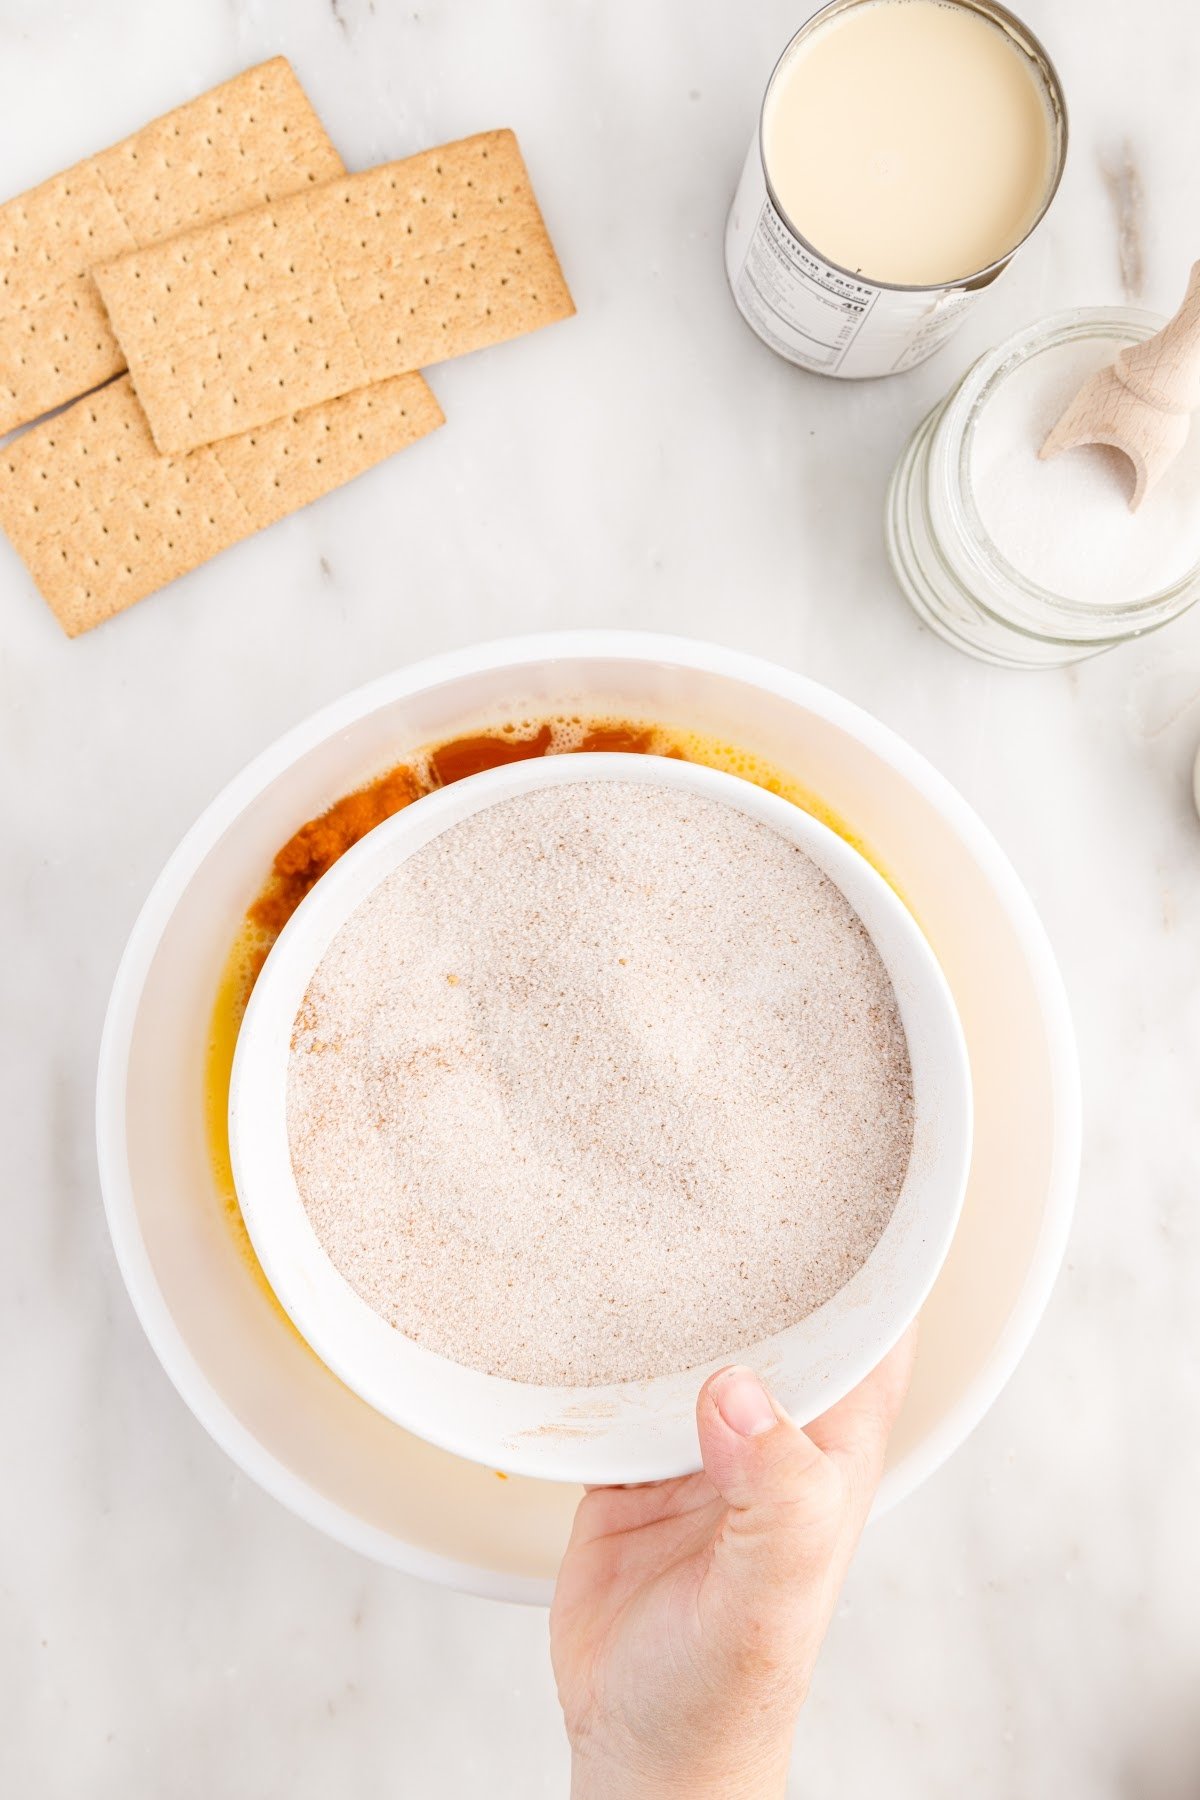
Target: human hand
[688,1614]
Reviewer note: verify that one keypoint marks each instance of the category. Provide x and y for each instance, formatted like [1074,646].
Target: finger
[752,1450]
[854,1433]
[616,1487]
[785,1500]
[771,1578]
[610,1510]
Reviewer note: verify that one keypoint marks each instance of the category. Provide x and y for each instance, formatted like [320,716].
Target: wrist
[596,1775]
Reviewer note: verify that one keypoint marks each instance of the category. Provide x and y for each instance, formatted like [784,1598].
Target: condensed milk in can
[906,149]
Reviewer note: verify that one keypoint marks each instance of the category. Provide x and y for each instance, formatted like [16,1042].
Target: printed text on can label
[820,317]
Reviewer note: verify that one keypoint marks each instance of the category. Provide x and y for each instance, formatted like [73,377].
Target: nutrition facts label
[820,317]
[805,309]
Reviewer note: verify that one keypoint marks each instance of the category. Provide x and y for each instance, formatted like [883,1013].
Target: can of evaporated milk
[905,150]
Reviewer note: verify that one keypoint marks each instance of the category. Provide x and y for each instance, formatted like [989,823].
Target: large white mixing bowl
[260,1392]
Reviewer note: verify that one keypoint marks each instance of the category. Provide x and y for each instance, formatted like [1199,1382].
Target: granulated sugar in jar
[1034,563]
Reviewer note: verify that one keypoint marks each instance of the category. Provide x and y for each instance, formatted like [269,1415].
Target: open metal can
[834,320]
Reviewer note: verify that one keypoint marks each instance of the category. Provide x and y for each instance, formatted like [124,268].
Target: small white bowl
[635,1431]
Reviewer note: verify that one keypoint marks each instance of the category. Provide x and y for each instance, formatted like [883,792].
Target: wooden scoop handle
[1164,370]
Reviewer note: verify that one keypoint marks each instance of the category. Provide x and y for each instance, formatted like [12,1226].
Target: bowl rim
[133,1259]
[505,1424]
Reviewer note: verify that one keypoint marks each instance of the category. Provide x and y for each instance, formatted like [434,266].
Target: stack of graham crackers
[273,314]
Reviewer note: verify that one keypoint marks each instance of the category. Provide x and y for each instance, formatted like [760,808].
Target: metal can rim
[1036,52]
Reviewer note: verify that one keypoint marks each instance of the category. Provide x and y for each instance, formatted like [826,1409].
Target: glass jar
[952,571]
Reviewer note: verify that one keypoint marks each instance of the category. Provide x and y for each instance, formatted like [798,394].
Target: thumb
[787,1499]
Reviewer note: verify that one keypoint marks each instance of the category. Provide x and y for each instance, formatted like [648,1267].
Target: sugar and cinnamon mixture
[603,1082]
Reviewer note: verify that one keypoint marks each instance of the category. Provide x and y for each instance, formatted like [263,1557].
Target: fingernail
[743,1403]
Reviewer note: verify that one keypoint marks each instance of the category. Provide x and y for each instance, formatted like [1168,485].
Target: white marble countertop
[1025,1625]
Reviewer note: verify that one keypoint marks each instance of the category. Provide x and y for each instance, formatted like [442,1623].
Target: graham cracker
[228,326]
[101,519]
[251,140]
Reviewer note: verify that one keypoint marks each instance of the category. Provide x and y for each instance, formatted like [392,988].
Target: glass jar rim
[953,451]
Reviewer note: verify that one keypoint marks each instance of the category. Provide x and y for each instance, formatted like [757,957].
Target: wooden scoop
[1143,404]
